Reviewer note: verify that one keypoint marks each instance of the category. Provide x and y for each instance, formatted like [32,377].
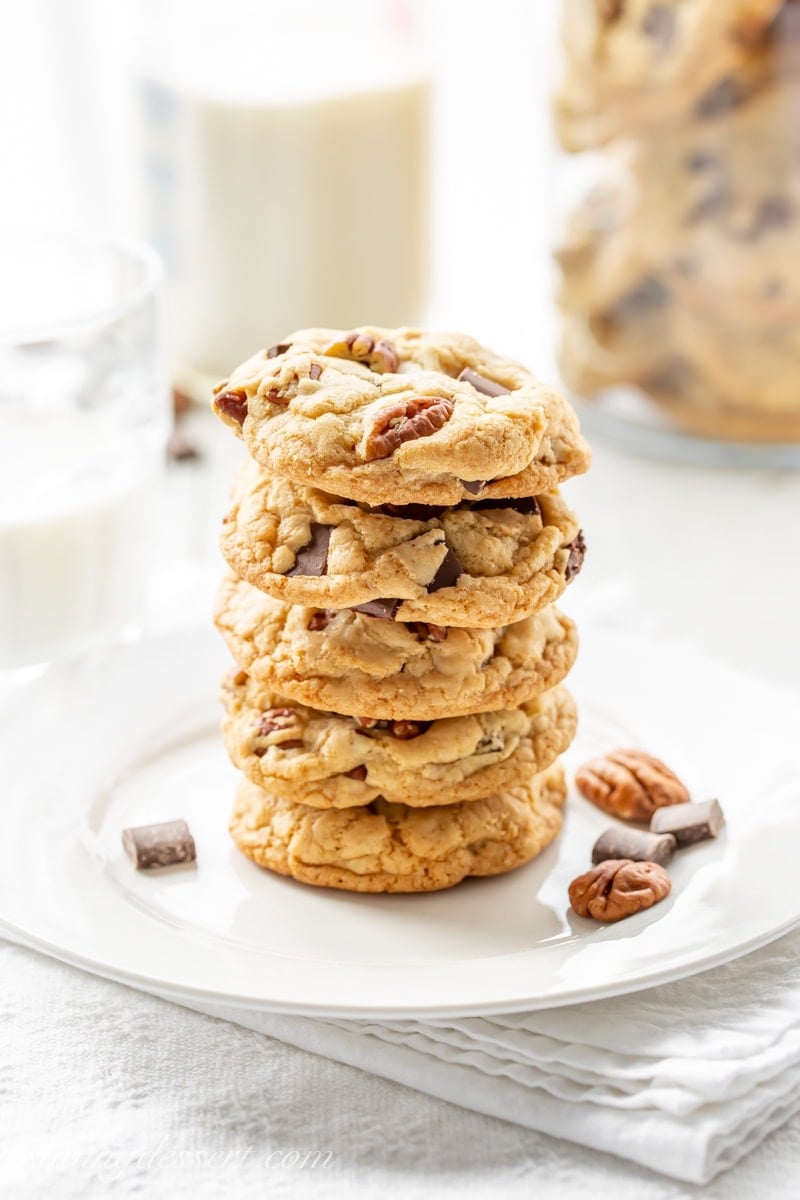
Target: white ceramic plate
[132,737]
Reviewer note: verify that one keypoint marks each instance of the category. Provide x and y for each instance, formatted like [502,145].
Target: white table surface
[713,557]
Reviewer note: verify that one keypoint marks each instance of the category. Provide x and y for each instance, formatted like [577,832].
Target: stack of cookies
[396,542]
[678,267]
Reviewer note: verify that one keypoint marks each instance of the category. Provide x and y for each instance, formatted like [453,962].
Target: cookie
[401,417]
[329,761]
[482,563]
[633,63]
[387,847]
[348,662]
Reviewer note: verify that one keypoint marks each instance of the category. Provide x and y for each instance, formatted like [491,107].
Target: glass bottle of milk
[285,169]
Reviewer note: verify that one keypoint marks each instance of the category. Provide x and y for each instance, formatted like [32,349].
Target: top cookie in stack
[402,474]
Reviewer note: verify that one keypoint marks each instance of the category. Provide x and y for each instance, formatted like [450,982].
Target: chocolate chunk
[659,24]
[689,823]
[163,845]
[313,558]
[383,608]
[279,348]
[648,296]
[527,505]
[634,844]
[447,573]
[577,553]
[473,486]
[233,404]
[773,213]
[482,384]
[411,512]
[314,371]
[721,98]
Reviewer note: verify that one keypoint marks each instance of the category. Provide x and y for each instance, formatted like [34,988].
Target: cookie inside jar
[677,297]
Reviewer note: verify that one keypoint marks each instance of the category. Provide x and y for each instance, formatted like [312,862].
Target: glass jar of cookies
[679,295]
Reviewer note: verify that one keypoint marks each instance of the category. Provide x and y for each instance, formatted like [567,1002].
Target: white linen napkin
[684,1079]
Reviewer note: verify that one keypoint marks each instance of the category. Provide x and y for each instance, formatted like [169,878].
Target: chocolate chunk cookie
[480,564]
[360,665]
[401,417]
[331,761]
[387,847]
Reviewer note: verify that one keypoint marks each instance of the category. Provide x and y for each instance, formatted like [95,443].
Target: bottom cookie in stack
[393,847]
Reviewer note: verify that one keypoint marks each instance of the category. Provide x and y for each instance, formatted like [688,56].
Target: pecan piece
[577,553]
[232,404]
[618,888]
[426,632]
[381,356]
[405,730]
[405,421]
[321,619]
[274,719]
[630,784]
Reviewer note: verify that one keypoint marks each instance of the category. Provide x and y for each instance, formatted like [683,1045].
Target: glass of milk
[284,170]
[84,413]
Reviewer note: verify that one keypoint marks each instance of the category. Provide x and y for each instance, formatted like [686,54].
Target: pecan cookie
[331,761]
[629,63]
[347,662]
[387,847]
[482,563]
[401,417]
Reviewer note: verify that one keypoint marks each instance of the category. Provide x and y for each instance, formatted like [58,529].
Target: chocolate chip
[634,844]
[314,371]
[162,845]
[577,553]
[383,608]
[321,619]
[278,348]
[659,24]
[473,486]
[527,505]
[482,384]
[447,572]
[312,559]
[689,823]
[357,772]
[233,404]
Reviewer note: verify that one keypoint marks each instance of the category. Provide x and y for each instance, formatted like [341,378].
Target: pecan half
[232,404]
[630,784]
[618,888]
[405,421]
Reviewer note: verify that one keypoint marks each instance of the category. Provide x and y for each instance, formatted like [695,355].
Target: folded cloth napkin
[685,1078]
